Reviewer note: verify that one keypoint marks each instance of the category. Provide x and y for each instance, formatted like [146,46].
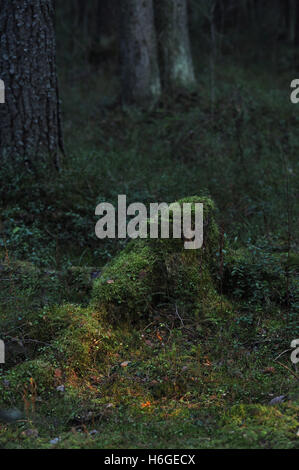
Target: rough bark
[138,53]
[174,42]
[30,118]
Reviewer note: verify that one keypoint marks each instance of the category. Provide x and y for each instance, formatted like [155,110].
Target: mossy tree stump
[151,274]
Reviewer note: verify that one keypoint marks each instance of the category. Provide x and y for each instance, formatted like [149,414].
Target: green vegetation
[143,344]
[160,273]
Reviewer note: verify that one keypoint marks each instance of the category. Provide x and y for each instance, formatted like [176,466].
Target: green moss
[26,287]
[70,340]
[78,346]
[78,283]
[31,378]
[46,325]
[128,284]
[252,426]
[18,274]
[73,337]
[159,272]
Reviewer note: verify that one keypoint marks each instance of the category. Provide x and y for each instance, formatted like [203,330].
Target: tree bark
[30,117]
[292,21]
[174,42]
[138,53]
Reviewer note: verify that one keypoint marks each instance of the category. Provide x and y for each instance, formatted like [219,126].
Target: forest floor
[74,379]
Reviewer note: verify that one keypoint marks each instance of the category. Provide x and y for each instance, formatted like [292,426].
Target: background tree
[138,53]
[292,20]
[174,42]
[30,118]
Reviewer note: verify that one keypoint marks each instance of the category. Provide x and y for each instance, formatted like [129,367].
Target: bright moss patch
[69,340]
[253,426]
[160,273]
[127,286]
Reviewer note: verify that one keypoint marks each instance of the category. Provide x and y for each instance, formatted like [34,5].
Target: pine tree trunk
[174,42]
[30,118]
[138,51]
[292,21]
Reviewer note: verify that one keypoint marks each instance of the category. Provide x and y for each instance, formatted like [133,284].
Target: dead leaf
[125,363]
[147,404]
[269,370]
[207,362]
[159,336]
[57,373]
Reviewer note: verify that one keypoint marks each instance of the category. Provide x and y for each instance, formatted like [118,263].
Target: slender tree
[30,117]
[174,42]
[292,7]
[138,53]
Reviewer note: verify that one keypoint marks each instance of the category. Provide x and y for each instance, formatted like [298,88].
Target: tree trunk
[138,53]
[174,42]
[30,117]
[292,21]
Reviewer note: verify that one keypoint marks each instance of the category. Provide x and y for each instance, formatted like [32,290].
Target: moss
[78,282]
[29,379]
[24,289]
[263,415]
[23,283]
[20,274]
[78,346]
[159,272]
[72,336]
[46,325]
[71,341]
[252,426]
[127,285]
[28,305]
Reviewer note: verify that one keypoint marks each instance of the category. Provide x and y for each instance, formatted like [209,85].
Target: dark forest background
[233,136]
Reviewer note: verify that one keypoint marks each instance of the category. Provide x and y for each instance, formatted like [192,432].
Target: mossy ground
[162,386]
[104,376]
[191,370]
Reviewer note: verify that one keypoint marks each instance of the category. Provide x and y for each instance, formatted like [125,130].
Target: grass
[167,380]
